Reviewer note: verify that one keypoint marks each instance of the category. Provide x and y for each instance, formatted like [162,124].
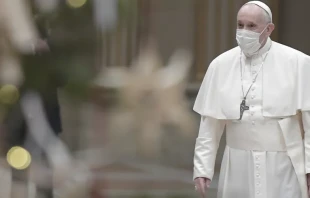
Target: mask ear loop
[264,29]
[262,33]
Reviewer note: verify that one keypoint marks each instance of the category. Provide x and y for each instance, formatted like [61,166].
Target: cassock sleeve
[306,127]
[207,143]
[19,23]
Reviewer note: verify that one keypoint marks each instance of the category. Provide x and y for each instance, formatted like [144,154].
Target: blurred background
[128,74]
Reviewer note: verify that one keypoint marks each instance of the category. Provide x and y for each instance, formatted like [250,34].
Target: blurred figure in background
[39,75]
[18,36]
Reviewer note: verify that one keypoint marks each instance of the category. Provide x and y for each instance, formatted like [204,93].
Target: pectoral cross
[243,108]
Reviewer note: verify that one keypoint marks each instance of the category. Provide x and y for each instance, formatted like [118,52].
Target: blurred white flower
[150,96]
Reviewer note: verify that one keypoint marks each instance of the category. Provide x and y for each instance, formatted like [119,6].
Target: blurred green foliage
[127,9]
[73,40]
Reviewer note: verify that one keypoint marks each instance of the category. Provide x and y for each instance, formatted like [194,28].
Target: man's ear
[270,28]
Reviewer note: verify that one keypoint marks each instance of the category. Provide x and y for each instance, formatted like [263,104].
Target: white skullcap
[262,5]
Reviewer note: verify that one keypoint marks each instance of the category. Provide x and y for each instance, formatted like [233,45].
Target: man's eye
[240,25]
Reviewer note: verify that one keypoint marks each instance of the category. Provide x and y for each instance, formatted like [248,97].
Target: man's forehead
[250,12]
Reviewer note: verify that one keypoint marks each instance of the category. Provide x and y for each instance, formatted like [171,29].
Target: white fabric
[244,136]
[274,177]
[306,124]
[295,149]
[247,173]
[207,143]
[285,86]
[262,5]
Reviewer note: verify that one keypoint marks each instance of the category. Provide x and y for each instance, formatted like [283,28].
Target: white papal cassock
[265,155]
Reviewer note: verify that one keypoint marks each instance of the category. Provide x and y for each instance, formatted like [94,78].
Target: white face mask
[248,41]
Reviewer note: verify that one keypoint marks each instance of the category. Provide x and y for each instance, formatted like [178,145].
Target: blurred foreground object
[19,158]
[76,3]
[47,6]
[76,185]
[148,99]
[105,13]
[18,36]
[108,14]
[71,177]
[9,94]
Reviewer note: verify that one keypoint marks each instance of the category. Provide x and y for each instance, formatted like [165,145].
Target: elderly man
[255,90]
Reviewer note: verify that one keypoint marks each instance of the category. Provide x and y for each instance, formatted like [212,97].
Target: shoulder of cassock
[287,72]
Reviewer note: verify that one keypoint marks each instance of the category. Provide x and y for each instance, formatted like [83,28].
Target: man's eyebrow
[252,23]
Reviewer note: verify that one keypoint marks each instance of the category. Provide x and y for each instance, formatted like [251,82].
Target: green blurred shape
[9,94]
[79,78]
[127,9]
